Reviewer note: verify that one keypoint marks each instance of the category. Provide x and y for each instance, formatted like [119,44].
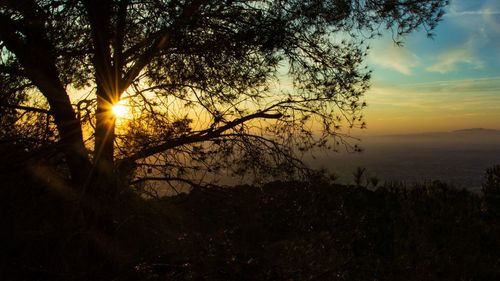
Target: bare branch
[27,108]
[198,137]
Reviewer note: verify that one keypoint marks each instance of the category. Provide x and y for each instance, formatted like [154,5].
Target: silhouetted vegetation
[280,231]
[491,191]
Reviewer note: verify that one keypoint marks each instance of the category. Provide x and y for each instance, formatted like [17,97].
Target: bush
[491,191]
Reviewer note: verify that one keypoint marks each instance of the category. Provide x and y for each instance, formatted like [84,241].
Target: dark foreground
[283,231]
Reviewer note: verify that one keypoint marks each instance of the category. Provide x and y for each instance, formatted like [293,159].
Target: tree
[250,82]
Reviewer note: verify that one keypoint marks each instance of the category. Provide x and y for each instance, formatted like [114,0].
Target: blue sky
[446,83]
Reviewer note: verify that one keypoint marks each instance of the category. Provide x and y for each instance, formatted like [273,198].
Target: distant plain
[458,157]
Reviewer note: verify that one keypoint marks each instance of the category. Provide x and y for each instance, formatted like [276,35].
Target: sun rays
[120,110]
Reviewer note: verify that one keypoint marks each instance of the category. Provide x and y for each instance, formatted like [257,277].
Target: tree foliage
[236,86]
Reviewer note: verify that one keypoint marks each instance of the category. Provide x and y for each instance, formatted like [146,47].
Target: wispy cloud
[493,19]
[395,58]
[439,105]
[449,61]
[459,8]
[435,96]
[487,11]
[484,14]
[466,45]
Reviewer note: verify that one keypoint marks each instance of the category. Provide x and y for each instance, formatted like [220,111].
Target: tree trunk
[107,77]
[35,54]
[104,176]
[71,141]
[68,126]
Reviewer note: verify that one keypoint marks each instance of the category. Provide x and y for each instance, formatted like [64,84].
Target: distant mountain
[476,131]
[463,132]
[466,138]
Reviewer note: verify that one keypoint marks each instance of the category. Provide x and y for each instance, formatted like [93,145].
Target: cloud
[471,95]
[492,19]
[459,8]
[479,12]
[474,14]
[439,105]
[482,12]
[477,23]
[467,39]
[449,61]
[395,58]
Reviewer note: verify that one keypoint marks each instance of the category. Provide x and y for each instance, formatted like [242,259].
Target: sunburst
[120,110]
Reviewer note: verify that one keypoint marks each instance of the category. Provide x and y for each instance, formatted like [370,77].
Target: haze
[459,158]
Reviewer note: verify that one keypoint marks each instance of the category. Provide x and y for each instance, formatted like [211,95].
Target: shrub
[491,190]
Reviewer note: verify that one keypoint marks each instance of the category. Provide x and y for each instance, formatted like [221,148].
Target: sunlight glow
[119,110]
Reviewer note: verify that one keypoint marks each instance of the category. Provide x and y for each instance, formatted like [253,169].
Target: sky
[446,83]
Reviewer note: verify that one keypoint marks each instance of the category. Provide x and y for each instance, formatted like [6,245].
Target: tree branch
[27,108]
[160,43]
[140,180]
[198,137]
[12,70]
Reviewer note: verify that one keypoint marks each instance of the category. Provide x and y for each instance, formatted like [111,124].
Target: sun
[119,110]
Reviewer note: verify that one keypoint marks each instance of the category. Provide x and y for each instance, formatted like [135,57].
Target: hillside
[281,231]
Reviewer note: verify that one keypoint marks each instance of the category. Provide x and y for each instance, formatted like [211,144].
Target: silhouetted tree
[231,85]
